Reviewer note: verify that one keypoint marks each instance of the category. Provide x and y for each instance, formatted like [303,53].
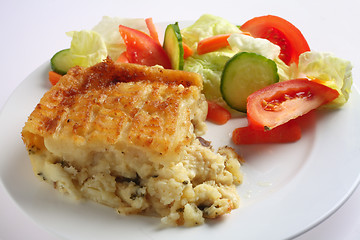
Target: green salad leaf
[108,28]
[332,71]
[87,48]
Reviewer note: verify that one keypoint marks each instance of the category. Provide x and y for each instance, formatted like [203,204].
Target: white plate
[287,189]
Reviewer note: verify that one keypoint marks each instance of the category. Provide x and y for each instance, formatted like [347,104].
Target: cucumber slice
[244,74]
[61,62]
[173,46]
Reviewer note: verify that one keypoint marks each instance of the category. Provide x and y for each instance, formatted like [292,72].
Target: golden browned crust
[112,101]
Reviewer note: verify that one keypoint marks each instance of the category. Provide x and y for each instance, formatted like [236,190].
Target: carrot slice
[217,114]
[54,77]
[286,133]
[213,43]
[187,50]
[152,30]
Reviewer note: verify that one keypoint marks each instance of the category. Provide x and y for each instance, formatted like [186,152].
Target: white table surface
[32,31]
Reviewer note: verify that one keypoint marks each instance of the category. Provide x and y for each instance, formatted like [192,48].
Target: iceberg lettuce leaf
[108,28]
[245,43]
[207,26]
[87,48]
[332,71]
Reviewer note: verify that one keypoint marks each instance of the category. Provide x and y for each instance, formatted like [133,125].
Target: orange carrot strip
[217,114]
[152,30]
[187,50]
[286,133]
[246,33]
[54,77]
[212,43]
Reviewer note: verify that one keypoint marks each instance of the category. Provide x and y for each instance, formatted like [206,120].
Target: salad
[263,69]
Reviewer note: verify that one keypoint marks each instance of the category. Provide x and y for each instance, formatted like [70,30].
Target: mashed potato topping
[127,136]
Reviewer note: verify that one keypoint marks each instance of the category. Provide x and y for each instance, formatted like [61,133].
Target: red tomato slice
[142,49]
[280,102]
[280,32]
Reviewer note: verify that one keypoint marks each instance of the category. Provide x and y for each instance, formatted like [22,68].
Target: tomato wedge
[142,49]
[280,32]
[278,103]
